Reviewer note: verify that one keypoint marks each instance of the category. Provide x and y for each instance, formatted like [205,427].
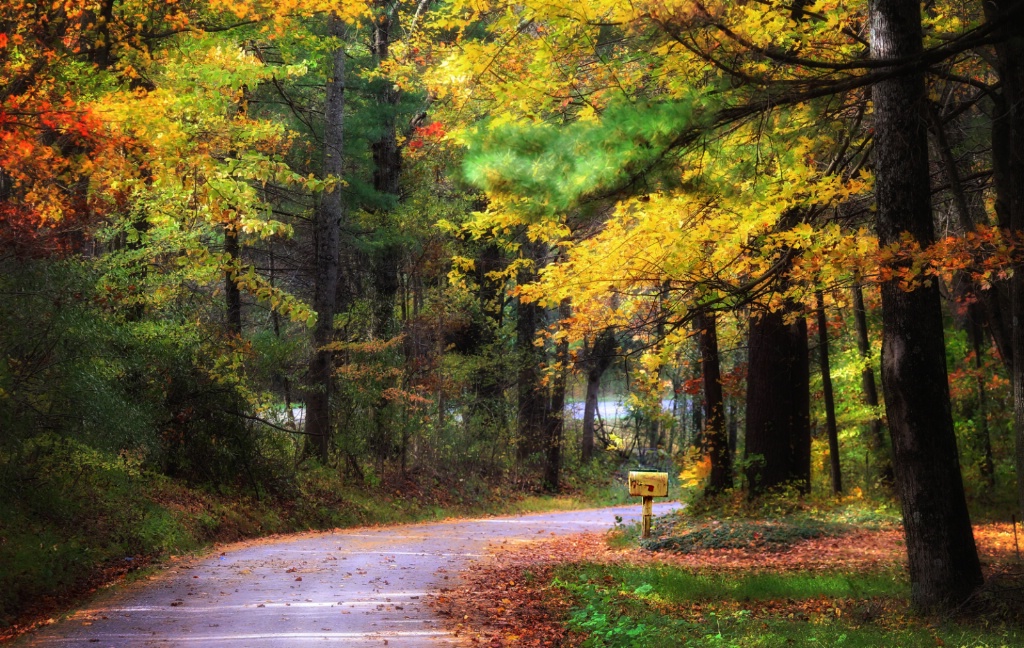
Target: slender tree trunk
[716,440]
[982,438]
[830,402]
[778,436]
[275,320]
[590,403]
[697,421]
[327,232]
[232,295]
[734,431]
[943,559]
[869,391]
[599,358]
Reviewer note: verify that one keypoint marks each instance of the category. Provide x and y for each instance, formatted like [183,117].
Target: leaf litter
[508,599]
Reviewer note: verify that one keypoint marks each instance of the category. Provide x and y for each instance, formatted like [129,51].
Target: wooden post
[647,485]
[648,513]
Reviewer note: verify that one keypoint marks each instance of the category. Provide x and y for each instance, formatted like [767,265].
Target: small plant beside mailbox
[648,485]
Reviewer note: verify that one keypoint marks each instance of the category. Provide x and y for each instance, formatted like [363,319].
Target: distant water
[609,410]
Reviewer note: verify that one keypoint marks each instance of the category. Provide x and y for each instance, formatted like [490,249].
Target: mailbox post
[648,485]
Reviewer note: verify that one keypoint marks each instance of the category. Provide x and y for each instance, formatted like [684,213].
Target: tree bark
[232,295]
[830,402]
[1008,170]
[943,559]
[778,435]
[327,232]
[716,440]
[532,397]
[387,161]
[983,439]
[556,410]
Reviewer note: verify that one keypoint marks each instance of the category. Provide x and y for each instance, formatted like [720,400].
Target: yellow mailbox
[648,485]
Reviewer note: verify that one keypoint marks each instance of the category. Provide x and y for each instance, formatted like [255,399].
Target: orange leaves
[430,133]
[986,254]
[44,146]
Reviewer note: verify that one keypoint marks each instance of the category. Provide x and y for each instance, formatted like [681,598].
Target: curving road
[359,587]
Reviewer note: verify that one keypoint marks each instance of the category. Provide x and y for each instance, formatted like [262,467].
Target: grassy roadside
[793,576]
[670,606]
[83,520]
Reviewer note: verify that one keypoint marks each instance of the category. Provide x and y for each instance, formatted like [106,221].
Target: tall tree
[944,566]
[326,234]
[387,168]
[1007,171]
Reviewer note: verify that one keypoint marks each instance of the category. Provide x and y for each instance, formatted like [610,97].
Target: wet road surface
[358,587]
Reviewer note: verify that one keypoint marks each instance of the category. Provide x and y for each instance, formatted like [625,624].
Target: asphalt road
[358,587]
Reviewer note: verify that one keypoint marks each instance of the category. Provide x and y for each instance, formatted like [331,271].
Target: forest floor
[730,583]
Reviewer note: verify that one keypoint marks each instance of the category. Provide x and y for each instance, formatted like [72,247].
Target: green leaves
[545,169]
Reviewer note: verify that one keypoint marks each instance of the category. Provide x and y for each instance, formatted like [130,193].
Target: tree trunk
[327,231]
[982,437]
[275,319]
[830,402]
[600,357]
[778,435]
[716,440]
[734,430]
[488,410]
[943,559]
[387,161]
[532,396]
[386,254]
[232,295]
[1008,169]
[556,410]
[869,391]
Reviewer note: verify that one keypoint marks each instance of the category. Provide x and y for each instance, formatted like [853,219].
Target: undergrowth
[743,534]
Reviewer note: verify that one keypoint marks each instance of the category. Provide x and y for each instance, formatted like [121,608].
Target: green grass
[673,585]
[654,607]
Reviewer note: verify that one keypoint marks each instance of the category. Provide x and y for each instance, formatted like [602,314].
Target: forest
[261,259]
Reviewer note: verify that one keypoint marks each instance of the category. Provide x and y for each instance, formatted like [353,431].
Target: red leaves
[432,131]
